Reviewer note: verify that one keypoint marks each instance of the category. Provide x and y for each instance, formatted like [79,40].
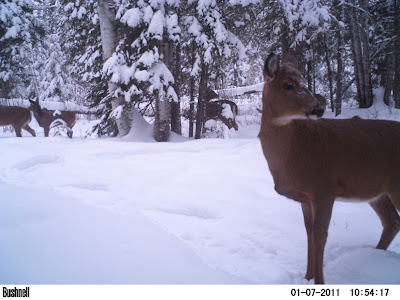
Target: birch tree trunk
[356,49]
[387,80]
[191,92]
[162,121]
[109,40]
[359,41]
[329,70]
[176,123]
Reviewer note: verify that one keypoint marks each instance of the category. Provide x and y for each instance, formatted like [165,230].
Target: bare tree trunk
[329,69]
[191,92]
[339,60]
[200,115]
[388,76]
[396,87]
[364,17]
[176,124]
[309,75]
[358,11]
[109,40]
[285,37]
[163,106]
[191,107]
[356,49]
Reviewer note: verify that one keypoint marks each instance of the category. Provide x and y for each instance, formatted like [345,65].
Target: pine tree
[20,32]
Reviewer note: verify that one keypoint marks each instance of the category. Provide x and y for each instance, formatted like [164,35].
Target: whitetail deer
[46,118]
[218,109]
[322,102]
[317,161]
[17,117]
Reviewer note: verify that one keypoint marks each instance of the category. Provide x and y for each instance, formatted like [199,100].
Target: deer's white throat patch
[287,119]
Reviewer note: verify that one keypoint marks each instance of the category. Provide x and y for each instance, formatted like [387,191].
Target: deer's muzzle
[318,111]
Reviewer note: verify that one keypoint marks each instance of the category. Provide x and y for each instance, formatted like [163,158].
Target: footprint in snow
[38,160]
[92,186]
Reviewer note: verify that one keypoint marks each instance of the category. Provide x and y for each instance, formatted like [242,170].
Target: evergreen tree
[20,32]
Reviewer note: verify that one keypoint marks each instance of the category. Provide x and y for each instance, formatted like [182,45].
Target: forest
[150,165]
[158,58]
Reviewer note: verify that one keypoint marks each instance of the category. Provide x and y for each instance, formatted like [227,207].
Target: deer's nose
[318,111]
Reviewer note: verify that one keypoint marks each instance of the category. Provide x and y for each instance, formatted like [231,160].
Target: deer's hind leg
[18,131]
[390,220]
[29,129]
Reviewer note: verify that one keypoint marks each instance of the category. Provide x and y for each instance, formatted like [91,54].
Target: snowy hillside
[190,211]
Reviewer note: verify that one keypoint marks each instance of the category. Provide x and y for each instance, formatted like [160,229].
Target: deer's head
[35,106]
[286,95]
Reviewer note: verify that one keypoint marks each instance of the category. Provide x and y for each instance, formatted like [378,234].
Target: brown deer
[225,110]
[322,102]
[316,161]
[47,118]
[18,117]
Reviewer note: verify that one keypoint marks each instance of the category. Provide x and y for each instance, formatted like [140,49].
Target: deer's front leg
[321,213]
[308,223]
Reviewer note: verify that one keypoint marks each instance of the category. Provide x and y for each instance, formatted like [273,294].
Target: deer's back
[69,117]
[323,154]
[48,116]
[14,115]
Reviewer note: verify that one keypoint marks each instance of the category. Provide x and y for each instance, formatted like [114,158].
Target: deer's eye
[288,86]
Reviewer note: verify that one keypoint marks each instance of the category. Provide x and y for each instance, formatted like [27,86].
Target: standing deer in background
[17,117]
[316,161]
[224,110]
[45,118]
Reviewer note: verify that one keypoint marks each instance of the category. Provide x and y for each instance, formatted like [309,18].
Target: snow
[195,28]
[147,59]
[239,91]
[210,124]
[174,30]
[96,211]
[156,26]
[132,17]
[51,105]
[227,111]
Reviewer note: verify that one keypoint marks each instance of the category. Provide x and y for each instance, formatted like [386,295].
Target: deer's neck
[280,140]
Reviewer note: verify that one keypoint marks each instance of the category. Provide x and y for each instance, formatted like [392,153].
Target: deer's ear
[271,67]
[31,101]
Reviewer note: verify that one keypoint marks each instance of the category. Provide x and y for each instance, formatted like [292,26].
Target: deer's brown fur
[317,161]
[46,117]
[214,109]
[18,117]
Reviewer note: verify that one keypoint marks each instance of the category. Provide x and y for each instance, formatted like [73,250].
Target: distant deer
[224,110]
[46,118]
[316,161]
[17,117]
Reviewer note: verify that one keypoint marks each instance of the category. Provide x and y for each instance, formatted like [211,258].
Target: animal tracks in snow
[197,212]
[91,186]
[37,161]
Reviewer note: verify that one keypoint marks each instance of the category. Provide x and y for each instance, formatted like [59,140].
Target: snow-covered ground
[191,211]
